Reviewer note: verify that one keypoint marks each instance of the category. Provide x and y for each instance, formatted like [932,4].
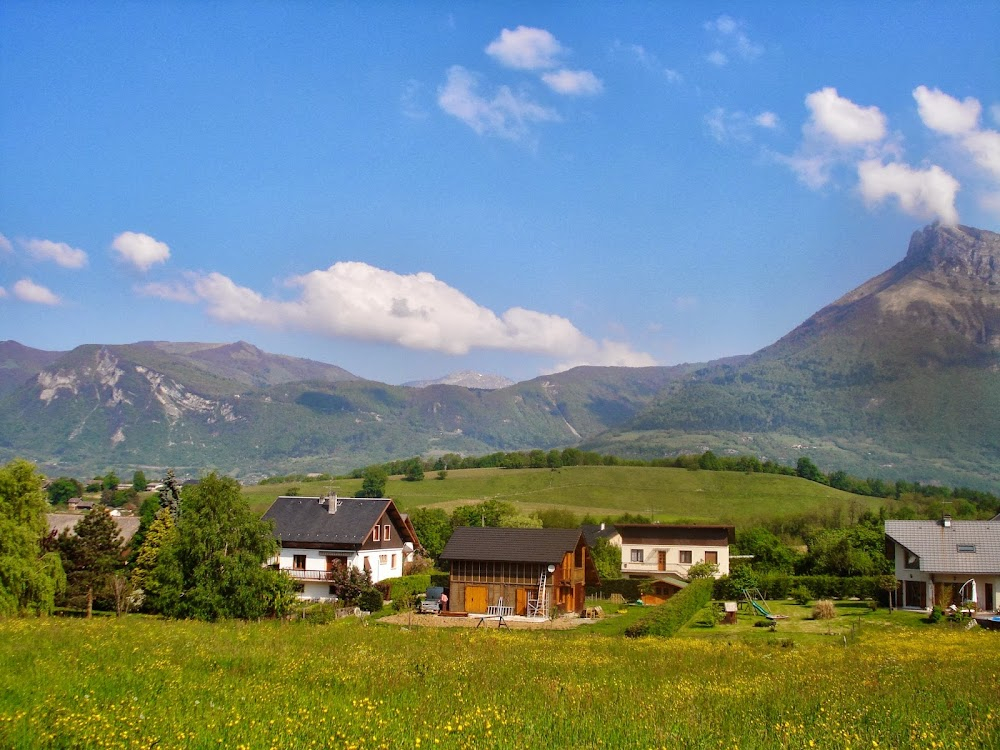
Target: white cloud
[844,121]
[58,252]
[924,193]
[725,125]
[525,48]
[813,170]
[174,292]
[607,354]
[647,60]
[717,58]
[417,311]
[995,113]
[573,82]
[27,290]
[5,245]
[507,114]
[767,120]
[984,148]
[945,114]
[141,250]
[732,40]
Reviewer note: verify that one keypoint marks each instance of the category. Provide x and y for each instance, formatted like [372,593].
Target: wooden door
[521,600]
[661,560]
[988,603]
[475,599]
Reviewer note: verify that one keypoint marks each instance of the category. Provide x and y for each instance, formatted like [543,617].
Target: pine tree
[160,533]
[92,554]
[170,494]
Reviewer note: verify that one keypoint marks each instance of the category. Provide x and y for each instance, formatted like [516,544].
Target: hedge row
[396,588]
[780,586]
[627,587]
[666,619]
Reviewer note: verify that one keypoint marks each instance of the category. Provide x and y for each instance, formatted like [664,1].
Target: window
[966,548]
[393,562]
[375,533]
[686,556]
[385,532]
[383,559]
[712,557]
[911,561]
[637,555]
[298,562]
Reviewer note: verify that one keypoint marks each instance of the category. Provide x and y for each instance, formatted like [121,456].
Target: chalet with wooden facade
[533,570]
[319,534]
[946,562]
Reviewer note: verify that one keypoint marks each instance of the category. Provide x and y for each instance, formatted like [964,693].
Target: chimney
[332,503]
[946,521]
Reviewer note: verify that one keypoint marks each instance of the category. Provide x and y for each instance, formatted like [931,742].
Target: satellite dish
[552,568]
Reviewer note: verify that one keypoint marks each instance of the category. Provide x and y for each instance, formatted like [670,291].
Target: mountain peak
[956,251]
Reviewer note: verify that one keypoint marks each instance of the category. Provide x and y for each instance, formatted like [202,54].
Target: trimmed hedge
[781,585]
[627,587]
[666,619]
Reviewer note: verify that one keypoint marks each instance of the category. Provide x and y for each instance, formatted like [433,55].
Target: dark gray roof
[937,545]
[592,532]
[59,522]
[306,519]
[510,545]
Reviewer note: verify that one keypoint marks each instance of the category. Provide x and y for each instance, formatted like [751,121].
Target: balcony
[308,575]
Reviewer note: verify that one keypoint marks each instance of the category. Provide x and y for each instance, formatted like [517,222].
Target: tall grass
[140,682]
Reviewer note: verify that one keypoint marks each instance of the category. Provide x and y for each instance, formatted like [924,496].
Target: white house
[940,563]
[319,534]
[667,551]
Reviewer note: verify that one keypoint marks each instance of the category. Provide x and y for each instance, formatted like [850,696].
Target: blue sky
[410,189]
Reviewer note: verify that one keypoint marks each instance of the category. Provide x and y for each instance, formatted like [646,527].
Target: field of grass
[141,682]
[668,494]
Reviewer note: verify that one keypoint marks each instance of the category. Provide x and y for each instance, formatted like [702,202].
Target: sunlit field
[141,682]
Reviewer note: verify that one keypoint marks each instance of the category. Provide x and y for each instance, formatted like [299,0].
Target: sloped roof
[59,522]
[592,532]
[511,545]
[308,520]
[666,533]
[937,545]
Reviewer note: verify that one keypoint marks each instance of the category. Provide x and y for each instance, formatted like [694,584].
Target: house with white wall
[319,534]
[945,562]
[667,551]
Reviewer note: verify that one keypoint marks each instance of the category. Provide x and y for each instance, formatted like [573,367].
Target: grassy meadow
[140,682]
[669,494]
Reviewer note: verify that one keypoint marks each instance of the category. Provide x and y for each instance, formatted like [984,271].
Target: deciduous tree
[30,578]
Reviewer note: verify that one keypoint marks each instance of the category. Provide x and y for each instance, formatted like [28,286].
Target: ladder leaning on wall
[537,606]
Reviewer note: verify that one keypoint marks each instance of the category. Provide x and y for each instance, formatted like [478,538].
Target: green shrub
[936,615]
[801,595]
[667,618]
[371,600]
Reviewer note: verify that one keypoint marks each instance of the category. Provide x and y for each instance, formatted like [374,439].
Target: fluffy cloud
[506,114]
[5,245]
[27,290]
[417,311]
[984,148]
[525,48]
[945,114]
[924,193]
[732,40]
[58,252]
[844,121]
[141,250]
[767,120]
[573,82]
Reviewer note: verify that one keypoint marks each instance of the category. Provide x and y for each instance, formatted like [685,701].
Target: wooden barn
[532,570]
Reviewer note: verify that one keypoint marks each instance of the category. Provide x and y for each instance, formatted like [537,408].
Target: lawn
[668,494]
[142,682]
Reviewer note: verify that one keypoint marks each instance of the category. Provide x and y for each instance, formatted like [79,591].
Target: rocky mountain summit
[466,379]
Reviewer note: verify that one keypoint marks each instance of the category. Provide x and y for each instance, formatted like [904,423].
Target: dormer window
[966,547]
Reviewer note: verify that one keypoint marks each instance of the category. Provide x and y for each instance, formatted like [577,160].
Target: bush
[824,610]
[414,585]
[627,587]
[936,615]
[801,595]
[370,600]
[666,619]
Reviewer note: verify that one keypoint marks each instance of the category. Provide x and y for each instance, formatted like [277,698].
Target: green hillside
[669,494]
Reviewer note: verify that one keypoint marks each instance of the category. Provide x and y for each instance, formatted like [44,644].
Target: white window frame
[385,533]
[637,556]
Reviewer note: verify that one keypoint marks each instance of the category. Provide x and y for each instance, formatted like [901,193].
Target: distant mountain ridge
[466,379]
[899,378]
